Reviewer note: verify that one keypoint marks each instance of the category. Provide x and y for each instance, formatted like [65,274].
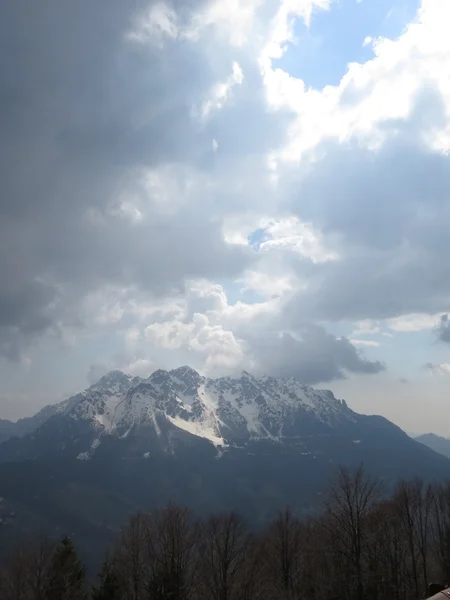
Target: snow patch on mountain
[202,430]
[225,411]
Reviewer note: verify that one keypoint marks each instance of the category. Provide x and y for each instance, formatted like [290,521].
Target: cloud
[438,369]
[163,179]
[366,162]
[90,119]
[387,209]
[219,338]
[222,91]
[314,357]
[366,327]
[443,329]
[413,322]
[368,343]
[95,373]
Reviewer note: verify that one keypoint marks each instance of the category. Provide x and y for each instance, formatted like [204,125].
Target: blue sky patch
[335,38]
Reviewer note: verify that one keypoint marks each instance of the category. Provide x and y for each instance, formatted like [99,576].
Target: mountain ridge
[250,444]
[438,443]
[225,411]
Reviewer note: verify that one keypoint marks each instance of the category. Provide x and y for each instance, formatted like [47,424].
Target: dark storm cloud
[388,211]
[315,357]
[80,109]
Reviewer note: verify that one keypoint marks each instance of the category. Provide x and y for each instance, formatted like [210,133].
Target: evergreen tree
[66,576]
[110,587]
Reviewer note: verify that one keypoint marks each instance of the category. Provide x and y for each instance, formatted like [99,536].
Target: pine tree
[66,577]
[110,587]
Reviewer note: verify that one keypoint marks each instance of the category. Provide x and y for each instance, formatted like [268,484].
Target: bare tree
[440,530]
[130,559]
[283,556]
[38,556]
[155,557]
[13,577]
[413,503]
[26,575]
[224,550]
[171,549]
[349,501]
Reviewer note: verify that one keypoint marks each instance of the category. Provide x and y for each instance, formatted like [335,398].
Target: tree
[13,577]
[66,574]
[38,557]
[223,552]
[283,556]
[349,501]
[25,575]
[171,544]
[110,587]
[413,503]
[156,555]
[440,529]
[130,557]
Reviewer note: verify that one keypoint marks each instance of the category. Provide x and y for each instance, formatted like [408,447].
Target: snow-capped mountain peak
[226,411]
[114,382]
[98,403]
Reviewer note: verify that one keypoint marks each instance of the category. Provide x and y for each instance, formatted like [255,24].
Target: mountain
[26,425]
[248,443]
[176,405]
[435,442]
[124,417]
[7,429]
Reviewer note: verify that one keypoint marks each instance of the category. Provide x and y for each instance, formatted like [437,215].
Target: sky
[240,184]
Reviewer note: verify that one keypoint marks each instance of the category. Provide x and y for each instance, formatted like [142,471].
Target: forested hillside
[365,544]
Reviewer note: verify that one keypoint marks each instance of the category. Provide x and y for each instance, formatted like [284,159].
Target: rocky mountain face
[26,425]
[251,444]
[178,411]
[180,404]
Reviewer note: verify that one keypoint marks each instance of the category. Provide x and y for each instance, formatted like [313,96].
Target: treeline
[364,545]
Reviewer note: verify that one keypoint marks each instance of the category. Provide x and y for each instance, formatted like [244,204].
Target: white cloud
[140,367]
[372,92]
[438,369]
[367,343]
[367,327]
[215,346]
[233,20]
[414,322]
[267,283]
[153,25]
[292,235]
[221,92]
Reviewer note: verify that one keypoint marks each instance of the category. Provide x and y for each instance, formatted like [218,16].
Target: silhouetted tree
[283,556]
[110,586]
[66,574]
[170,539]
[130,557]
[362,547]
[223,552]
[156,555]
[349,501]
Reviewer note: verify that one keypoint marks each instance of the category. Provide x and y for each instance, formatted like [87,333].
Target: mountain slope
[180,404]
[26,425]
[130,417]
[245,443]
[7,429]
[435,442]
